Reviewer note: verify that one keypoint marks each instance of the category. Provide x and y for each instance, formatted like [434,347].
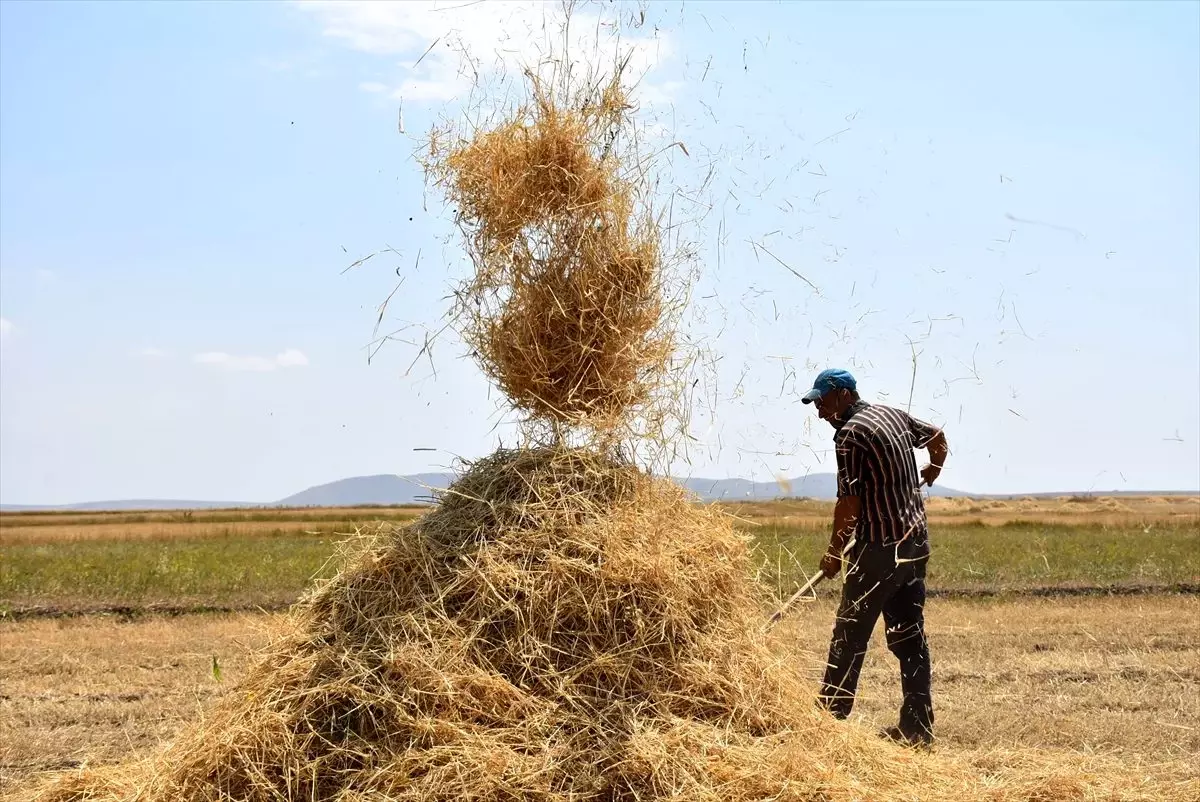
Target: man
[879,502]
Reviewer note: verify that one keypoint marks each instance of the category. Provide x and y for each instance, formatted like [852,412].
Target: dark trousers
[887,580]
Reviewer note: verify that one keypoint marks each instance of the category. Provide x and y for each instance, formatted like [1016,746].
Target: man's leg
[862,601]
[904,617]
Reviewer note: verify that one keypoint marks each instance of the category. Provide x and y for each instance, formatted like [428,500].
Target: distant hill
[390,489]
[131,504]
[361,490]
[814,485]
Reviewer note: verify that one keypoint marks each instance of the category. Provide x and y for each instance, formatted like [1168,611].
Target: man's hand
[845,517]
[938,449]
[830,564]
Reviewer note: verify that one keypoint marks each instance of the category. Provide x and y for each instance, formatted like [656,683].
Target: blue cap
[828,381]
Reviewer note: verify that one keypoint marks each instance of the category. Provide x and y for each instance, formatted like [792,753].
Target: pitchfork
[808,588]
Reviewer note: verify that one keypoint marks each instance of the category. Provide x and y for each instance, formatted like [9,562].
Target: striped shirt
[875,462]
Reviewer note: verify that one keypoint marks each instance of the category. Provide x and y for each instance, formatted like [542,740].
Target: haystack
[567,307]
[563,626]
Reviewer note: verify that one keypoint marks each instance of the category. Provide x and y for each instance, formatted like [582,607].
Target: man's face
[830,406]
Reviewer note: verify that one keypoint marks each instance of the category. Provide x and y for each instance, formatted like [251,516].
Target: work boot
[922,739]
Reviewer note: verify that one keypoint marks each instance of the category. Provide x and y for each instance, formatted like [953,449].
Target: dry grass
[1113,676]
[74,533]
[23,528]
[561,627]
[214,515]
[566,309]
[1092,512]
[1107,675]
[98,689]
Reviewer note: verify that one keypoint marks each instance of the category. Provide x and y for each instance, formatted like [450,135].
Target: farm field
[55,563]
[1055,624]
[1109,676]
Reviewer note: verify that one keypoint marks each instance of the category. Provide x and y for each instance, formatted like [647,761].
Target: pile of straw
[565,307]
[562,627]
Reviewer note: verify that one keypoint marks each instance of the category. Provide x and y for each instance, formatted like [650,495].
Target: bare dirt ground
[1117,676]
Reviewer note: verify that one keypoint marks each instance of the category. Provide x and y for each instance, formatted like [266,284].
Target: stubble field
[1059,624]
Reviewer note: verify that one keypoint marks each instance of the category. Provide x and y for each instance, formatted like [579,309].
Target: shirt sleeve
[921,431]
[849,466]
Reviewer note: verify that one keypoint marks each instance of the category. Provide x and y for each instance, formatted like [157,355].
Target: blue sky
[1012,188]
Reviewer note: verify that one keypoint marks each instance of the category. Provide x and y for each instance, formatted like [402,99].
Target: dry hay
[567,308]
[562,627]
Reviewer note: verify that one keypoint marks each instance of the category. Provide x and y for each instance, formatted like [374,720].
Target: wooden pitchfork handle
[804,591]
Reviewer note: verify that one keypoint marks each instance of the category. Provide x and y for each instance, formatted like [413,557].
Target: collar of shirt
[851,411]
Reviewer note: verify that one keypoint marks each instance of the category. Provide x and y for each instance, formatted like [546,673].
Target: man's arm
[850,470]
[845,516]
[926,435]
[938,450]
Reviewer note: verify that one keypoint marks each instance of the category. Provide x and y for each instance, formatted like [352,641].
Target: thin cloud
[431,38]
[290,358]
[7,327]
